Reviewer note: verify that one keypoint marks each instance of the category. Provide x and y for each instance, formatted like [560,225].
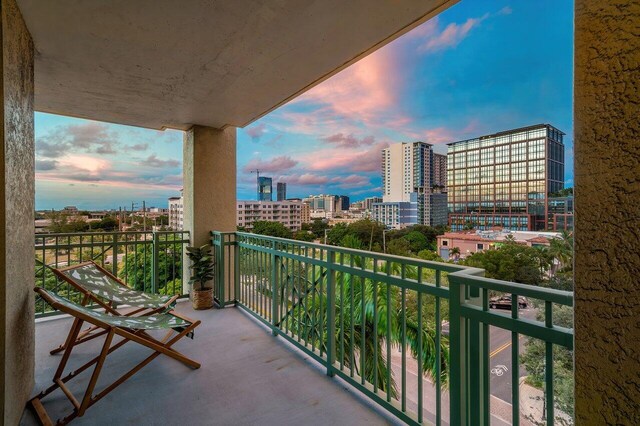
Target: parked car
[504,302]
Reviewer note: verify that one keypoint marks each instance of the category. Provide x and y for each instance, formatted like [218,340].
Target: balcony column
[209,169]
[16,215]
[607,265]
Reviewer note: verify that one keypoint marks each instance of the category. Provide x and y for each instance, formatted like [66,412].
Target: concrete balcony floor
[247,377]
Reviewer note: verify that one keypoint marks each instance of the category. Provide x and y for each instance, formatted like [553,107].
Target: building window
[480,246]
[445,242]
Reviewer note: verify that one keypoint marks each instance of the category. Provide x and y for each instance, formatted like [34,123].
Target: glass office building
[265,189]
[504,179]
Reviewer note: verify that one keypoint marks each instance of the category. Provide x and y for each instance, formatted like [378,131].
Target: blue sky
[477,68]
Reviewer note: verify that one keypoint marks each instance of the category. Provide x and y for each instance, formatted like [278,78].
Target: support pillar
[209,168]
[607,189]
[17,323]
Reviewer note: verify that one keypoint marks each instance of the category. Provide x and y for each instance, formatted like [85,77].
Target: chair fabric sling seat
[126,329]
[102,285]
[159,321]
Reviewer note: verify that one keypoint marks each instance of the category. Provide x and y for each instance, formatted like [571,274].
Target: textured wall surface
[607,227]
[16,224]
[209,170]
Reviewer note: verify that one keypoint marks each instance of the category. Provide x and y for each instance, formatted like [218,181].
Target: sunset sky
[479,67]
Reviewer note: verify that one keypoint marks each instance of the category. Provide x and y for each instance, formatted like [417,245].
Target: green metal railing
[147,261]
[377,321]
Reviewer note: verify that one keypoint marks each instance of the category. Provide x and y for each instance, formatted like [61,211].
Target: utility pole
[144,216]
[257,172]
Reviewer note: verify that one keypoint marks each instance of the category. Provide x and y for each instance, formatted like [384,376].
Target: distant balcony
[411,341]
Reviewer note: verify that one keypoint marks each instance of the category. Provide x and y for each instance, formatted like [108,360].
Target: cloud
[256,132]
[42,165]
[451,36]
[275,165]
[348,141]
[88,137]
[366,92]
[507,10]
[155,162]
[357,160]
[139,147]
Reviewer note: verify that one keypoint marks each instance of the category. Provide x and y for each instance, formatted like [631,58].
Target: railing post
[457,337]
[331,312]
[236,272]
[114,261]
[155,249]
[468,367]
[220,259]
[275,316]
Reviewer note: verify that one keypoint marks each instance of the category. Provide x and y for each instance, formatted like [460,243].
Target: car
[504,302]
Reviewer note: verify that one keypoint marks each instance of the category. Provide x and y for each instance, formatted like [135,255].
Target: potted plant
[202,272]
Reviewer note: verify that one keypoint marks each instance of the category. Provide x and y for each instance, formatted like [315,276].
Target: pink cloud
[357,161]
[348,141]
[256,132]
[366,93]
[274,165]
[452,35]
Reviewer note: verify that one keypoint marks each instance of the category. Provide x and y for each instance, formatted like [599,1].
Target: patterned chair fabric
[160,321]
[91,278]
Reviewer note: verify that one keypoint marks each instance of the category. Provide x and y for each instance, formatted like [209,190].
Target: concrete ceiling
[171,64]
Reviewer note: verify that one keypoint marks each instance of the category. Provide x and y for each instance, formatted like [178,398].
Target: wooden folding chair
[99,286]
[131,329]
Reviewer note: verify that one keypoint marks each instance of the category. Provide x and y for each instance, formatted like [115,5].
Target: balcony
[348,314]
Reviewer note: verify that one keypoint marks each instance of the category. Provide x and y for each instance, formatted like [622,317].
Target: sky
[477,68]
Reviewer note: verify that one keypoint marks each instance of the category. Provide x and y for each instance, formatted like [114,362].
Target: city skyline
[475,69]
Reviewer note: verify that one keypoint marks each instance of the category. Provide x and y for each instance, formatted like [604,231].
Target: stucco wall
[16,224]
[209,170]
[607,235]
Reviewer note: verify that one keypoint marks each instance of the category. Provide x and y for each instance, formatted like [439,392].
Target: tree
[561,249]
[304,236]
[108,223]
[417,241]
[455,252]
[399,247]
[367,231]
[337,233]
[136,268]
[533,360]
[272,229]
[512,262]
[429,255]
[317,227]
[354,306]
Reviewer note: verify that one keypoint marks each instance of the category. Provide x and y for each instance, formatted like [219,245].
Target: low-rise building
[469,242]
[285,212]
[396,214]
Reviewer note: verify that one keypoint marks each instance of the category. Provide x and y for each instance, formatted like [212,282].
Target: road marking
[500,349]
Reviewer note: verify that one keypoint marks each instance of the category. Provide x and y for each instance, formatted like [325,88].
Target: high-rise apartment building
[285,212]
[504,179]
[412,174]
[265,189]
[176,215]
[281,189]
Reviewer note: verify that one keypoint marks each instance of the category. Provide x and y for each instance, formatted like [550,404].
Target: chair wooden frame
[109,307]
[128,335]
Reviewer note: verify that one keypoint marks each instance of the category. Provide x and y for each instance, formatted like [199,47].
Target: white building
[286,212]
[176,214]
[412,174]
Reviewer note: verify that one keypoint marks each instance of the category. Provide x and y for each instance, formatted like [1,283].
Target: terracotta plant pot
[202,299]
